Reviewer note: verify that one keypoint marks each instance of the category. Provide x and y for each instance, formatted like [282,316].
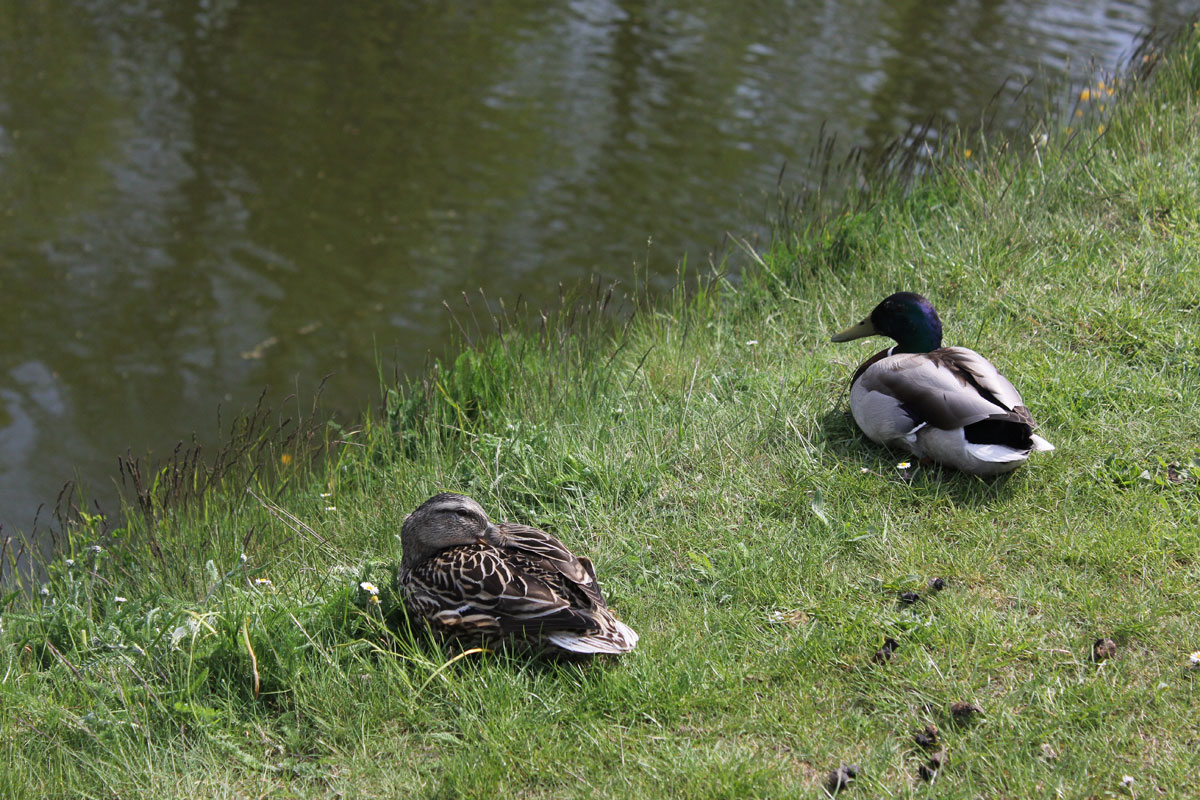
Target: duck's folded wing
[478,583]
[538,544]
[948,388]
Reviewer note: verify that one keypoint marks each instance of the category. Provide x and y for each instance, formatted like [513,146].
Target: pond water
[202,199]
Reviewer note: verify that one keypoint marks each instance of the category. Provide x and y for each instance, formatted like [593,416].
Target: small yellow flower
[1109,91]
[1085,95]
[1099,129]
[1102,106]
[374,600]
[1079,112]
[967,153]
[1100,85]
[285,459]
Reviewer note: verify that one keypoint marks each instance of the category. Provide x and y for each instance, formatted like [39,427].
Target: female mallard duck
[470,578]
[948,404]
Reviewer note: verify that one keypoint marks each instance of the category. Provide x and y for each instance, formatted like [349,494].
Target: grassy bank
[702,454]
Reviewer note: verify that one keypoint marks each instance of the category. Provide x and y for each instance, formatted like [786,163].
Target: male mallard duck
[471,578]
[948,404]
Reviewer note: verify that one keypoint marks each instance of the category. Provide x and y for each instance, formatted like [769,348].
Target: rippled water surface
[198,200]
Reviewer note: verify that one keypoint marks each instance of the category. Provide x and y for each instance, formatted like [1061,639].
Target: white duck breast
[950,405]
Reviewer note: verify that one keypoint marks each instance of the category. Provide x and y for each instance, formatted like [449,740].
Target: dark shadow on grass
[853,451]
[410,637]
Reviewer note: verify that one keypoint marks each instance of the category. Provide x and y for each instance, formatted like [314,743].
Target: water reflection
[200,199]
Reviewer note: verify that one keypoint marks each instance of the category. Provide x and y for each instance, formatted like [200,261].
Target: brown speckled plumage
[475,580]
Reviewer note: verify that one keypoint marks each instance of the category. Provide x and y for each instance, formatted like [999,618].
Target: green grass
[700,451]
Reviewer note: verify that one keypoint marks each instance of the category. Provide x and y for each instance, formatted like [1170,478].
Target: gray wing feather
[948,388]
